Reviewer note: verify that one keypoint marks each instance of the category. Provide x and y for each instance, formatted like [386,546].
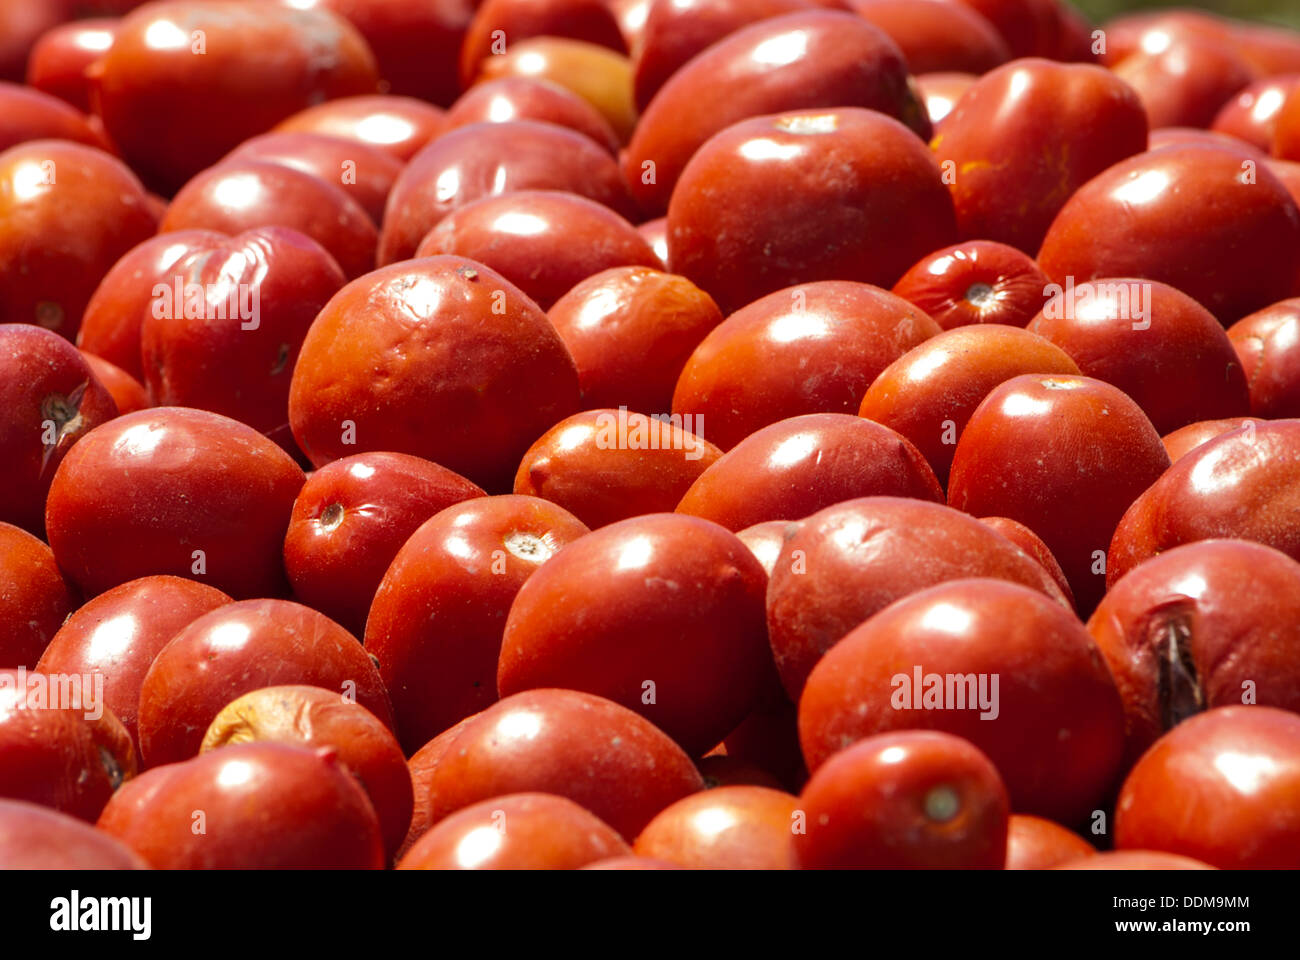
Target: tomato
[67,212]
[849,561]
[802,61]
[1022,456]
[218,498]
[798,466]
[38,838]
[187,80]
[609,465]
[313,717]
[1203,625]
[755,211]
[400,126]
[521,831]
[34,597]
[915,799]
[441,358]
[1037,844]
[602,756]
[1222,787]
[49,400]
[253,806]
[1001,665]
[812,348]
[1025,137]
[661,613]
[726,828]
[117,634]
[437,619]
[531,98]
[930,392]
[1268,344]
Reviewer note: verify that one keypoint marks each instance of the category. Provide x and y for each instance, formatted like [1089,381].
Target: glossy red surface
[798,466]
[350,519]
[1025,137]
[1210,222]
[848,562]
[979,281]
[812,348]
[1065,456]
[49,400]
[259,806]
[661,613]
[34,598]
[441,358]
[240,647]
[1223,788]
[1268,345]
[436,622]
[805,61]
[178,491]
[118,634]
[915,799]
[1054,727]
[754,211]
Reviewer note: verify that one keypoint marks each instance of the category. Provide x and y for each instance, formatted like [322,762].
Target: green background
[1285,12]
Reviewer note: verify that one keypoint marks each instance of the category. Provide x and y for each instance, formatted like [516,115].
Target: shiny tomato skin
[173,112]
[350,519]
[756,209]
[530,98]
[118,633]
[846,563]
[661,613]
[1203,625]
[110,326]
[520,831]
[219,496]
[400,126]
[67,213]
[979,281]
[1054,728]
[543,241]
[227,319]
[312,717]
[907,800]
[34,598]
[1028,134]
[1268,344]
[437,618]
[49,401]
[1158,345]
[1194,217]
[1242,484]
[242,194]
[487,159]
[59,746]
[605,465]
[34,837]
[930,392]
[725,828]
[812,348]
[263,805]
[630,330]
[441,358]
[798,466]
[1221,788]
[240,647]
[1019,456]
[802,61]
[1037,844]
[596,753]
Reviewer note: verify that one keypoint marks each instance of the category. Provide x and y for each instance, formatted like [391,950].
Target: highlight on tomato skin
[753,435]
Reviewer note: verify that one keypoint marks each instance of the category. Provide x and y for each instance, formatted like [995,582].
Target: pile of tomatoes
[642,434]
